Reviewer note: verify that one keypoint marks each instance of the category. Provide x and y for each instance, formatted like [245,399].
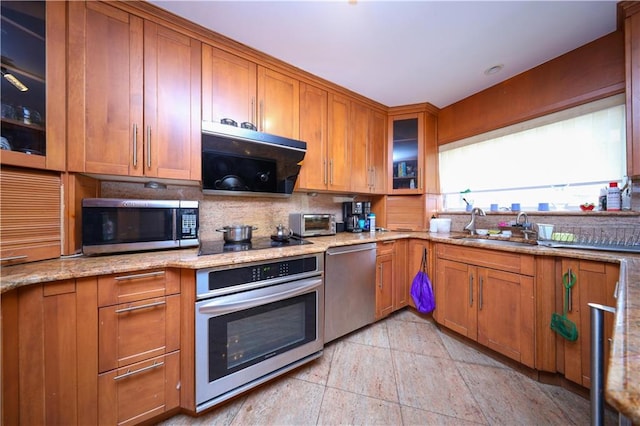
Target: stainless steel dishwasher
[349,289]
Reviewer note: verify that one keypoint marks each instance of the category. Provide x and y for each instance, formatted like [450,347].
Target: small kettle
[282,233]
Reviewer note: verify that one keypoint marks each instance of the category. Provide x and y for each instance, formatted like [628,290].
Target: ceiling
[405,52]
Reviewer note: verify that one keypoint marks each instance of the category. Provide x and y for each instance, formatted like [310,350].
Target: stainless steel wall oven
[254,322]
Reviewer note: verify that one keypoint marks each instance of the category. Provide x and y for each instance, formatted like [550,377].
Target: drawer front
[130,395]
[385,247]
[132,332]
[129,287]
[494,259]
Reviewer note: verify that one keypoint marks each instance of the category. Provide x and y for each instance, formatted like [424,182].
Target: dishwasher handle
[350,249]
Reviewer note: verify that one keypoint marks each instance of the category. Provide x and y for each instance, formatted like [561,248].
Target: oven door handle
[262,296]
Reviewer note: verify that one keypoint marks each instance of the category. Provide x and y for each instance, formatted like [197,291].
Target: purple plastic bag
[421,290]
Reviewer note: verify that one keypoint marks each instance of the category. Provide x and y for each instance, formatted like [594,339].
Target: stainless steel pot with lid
[237,233]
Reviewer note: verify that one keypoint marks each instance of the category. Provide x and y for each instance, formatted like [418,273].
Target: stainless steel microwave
[112,225]
[312,224]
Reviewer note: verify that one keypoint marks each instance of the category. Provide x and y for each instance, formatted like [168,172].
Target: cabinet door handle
[130,373]
[570,292]
[136,308]
[148,153]
[261,117]
[325,172]
[137,276]
[381,269]
[331,171]
[135,145]
[419,177]
[615,290]
[470,290]
[6,259]
[480,295]
[253,110]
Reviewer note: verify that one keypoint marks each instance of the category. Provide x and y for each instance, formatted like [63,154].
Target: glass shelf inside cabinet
[23,77]
[405,153]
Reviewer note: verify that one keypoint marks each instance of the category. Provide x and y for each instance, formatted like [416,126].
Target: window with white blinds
[563,158]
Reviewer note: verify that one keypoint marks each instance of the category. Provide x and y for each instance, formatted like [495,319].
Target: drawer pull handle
[137,276]
[141,370]
[135,308]
[6,259]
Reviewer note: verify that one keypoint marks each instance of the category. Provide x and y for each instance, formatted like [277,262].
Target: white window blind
[561,158]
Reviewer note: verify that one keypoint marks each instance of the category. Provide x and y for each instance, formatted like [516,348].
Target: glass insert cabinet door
[23,95]
[406,153]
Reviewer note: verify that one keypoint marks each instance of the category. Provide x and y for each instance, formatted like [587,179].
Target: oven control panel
[218,281]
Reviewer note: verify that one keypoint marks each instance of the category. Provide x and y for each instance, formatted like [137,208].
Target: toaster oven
[312,224]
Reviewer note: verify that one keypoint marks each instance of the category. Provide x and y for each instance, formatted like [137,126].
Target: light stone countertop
[623,383]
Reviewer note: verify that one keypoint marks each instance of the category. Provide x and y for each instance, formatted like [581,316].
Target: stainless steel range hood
[239,161]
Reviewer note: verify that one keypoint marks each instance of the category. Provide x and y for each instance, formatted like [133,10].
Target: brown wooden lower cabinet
[595,282]
[392,289]
[385,261]
[139,391]
[135,331]
[49,354]
[488,296]
[88,351]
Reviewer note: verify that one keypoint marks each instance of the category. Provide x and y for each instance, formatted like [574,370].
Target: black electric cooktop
[218,247]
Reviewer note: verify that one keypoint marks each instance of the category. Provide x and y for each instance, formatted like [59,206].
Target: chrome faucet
[471,226]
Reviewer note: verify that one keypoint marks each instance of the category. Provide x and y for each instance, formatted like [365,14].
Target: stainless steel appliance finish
[242,161]
[312,224]
[112,225]
[254,322]
[349,289]
[237,233]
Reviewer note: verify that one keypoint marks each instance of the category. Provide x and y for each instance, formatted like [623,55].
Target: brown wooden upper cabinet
[33,109]
[313,130]
[345,143]
[406,153]
[134,96]
[368,128]
[238,89]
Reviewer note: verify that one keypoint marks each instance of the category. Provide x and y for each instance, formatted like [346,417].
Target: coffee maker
[353,212]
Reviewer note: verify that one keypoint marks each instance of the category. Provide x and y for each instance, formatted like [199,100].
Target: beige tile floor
[401,371]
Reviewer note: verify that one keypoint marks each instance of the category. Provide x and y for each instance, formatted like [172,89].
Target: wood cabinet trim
[537,92]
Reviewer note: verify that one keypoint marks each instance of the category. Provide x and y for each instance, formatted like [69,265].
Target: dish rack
[622,238]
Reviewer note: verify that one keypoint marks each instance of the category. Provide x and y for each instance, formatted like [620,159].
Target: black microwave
[113,225]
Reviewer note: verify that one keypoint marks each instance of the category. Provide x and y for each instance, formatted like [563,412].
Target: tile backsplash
[265,213]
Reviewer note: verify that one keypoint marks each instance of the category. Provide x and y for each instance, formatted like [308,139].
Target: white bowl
[482,231]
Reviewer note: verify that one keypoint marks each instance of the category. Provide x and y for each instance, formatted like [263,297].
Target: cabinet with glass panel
[33,112]
[406,136]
